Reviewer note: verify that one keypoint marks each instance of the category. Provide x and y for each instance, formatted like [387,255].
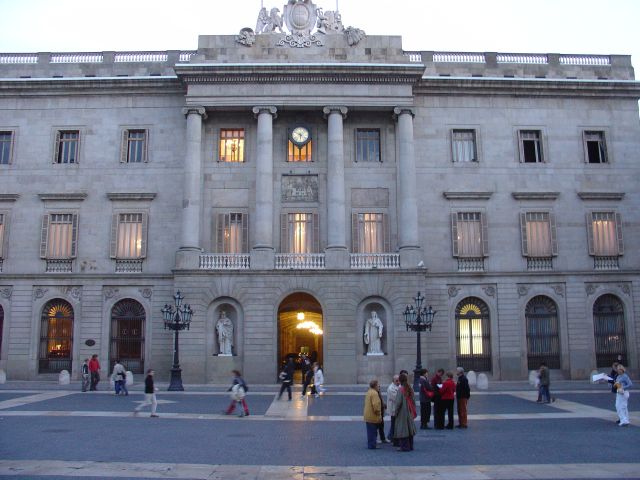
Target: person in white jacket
[318,379]
[392,392]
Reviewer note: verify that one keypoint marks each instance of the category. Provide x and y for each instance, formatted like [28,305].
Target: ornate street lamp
[176,320]
[418,320]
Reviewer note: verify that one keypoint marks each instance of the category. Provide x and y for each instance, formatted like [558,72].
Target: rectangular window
[594,147]
[6,147]
[469,232]
[59,236]
[134,146]
[367,145]
[605,234]
[231,145]
[530,146]
[370,233]
[232,233]
[300,233]
[463,144]
[130,236]
[538,234]
[67,146]
[299,154]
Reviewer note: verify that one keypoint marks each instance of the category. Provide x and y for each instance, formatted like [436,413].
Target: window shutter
[5,233]
[113,244]
[44,235]
[454,233]
[220,233]
[386,234]
[145,147]
[145,233]
[554,236]
[316,232]
[74,235]
[619,233]
[523,234]
[56,148]
[124,146]
[485,234]
[245,232]
[284,244]
[355,237]
[590,234]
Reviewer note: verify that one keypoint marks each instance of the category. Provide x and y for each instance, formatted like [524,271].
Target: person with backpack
[238,389]
[426,394]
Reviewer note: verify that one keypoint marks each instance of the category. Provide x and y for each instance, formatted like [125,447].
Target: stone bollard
[472,378]
[533,377]
[129,379]
[3,376]
[483,381]
[64,378]
[593,372]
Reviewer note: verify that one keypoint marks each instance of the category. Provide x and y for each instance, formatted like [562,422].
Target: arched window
[543,341]
[608,325]
[473,335]
[127,335]
[56,337]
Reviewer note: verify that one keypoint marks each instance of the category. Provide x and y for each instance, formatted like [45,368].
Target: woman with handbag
[405,428]
[238,391]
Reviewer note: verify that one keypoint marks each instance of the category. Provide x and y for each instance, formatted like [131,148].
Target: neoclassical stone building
[306,172]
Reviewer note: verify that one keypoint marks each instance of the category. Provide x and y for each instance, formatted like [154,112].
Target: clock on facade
[300,136]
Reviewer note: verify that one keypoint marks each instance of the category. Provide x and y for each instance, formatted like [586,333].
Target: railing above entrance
[225,261]
[375,260]
[299,261]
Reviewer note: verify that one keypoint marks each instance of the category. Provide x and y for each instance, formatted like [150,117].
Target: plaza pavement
[48,431]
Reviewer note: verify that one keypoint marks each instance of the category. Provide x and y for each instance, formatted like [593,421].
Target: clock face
[300,135]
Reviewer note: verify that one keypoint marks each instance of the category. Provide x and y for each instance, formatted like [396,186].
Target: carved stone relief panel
[299,188]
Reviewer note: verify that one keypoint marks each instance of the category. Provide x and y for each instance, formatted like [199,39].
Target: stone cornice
[93,85]
[535,195]
[467,195]
[601,195]
[113,196]
[66,197]
[9,197]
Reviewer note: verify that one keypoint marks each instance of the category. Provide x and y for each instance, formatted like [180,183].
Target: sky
[508,26]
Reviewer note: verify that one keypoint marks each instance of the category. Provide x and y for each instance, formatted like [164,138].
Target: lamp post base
[416,379]
[176,380]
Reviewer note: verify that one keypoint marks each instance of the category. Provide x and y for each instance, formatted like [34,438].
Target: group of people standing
[401,406]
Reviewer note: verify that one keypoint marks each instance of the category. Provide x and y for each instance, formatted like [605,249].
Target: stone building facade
[314,173]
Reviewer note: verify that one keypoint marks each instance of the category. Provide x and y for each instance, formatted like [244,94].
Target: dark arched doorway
[609,331]
[56,337]
[543,341]
[127,335]
[300,328]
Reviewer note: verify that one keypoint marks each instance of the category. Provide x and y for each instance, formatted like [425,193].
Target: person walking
[447,396]
[392,393]
[307,379]
[623,383]
[85,375]
[119,377]
[149,395]
[405,428]
[426,394]
[318,379]
[545,382]
[383,406]
[94,371]
[463,394]
[438,413]
[287,378]
[238,389]
[372,413]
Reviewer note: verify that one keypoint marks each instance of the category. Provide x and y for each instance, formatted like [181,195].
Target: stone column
[262,255]
[407,202]
[336,253]
[188,255]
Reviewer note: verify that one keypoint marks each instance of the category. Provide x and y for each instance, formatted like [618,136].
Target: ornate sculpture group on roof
[300,17]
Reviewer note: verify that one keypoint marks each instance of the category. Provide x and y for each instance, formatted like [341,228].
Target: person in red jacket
[94,371]
[447,395]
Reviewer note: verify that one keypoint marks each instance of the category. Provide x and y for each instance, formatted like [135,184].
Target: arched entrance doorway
[300,328]
[543,340]
[56,337]
[609,331]
[473,335]
[127,335]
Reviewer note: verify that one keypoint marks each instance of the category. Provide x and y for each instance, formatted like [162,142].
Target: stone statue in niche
[224,328]
[373,330]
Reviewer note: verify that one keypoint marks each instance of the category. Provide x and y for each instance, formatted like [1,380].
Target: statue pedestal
[375,354]
[219,366]
[375,365]
[224,355]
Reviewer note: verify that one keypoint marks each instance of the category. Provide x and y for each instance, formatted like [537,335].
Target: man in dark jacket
[287,378]
[438,413]
[426,394]
[463,393]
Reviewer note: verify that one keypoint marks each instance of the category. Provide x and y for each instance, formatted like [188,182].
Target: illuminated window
[605,234]
[67,146]
[595,148]
[368,145]
[232,233]
[463,145]
[134,146]
[473,339]
[469,232]
[370,233]
[530,146]
[299,153]
[129,236]
[59,236]
[231,145]
[300,233]
[6,147]
[538,234]
[56,337]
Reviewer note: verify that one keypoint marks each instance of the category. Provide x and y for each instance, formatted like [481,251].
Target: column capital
[397,111]
[335,109]
[186,111]
[273,111]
